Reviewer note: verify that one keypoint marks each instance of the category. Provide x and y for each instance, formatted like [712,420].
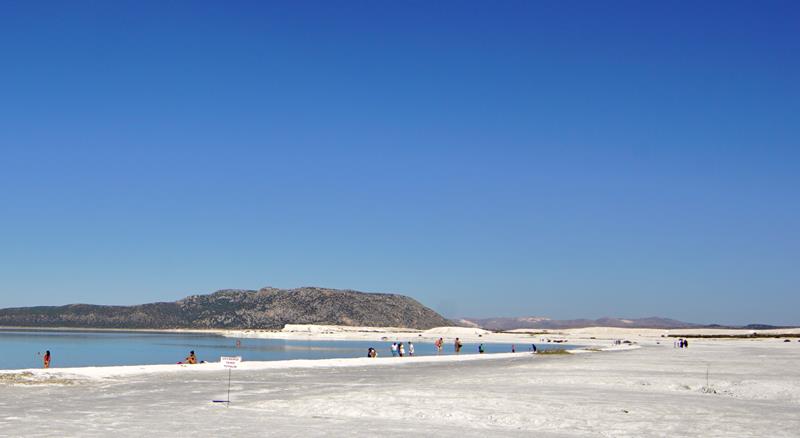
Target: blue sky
[564,159]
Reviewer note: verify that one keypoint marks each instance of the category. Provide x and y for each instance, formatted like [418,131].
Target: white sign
[230,361]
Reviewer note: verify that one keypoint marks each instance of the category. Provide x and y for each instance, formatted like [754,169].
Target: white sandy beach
[647,389]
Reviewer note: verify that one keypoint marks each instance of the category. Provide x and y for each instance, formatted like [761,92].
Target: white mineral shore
[715,388]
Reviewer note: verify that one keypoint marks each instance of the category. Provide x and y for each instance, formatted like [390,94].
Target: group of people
[398,349]
[681,343]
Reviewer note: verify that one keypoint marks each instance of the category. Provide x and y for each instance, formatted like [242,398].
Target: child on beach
[46,359]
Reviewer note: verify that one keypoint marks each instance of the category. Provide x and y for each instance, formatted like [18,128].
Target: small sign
[230,361]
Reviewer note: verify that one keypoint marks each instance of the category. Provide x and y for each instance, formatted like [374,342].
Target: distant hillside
[500,324]
[268,308]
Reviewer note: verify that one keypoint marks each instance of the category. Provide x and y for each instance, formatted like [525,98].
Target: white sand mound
[315,328]
[456,331]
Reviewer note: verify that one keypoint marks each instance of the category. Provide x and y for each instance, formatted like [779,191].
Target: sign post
[229,362]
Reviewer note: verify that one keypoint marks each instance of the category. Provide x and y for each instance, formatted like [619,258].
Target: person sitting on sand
[457,345]
[46,359]
[191,359]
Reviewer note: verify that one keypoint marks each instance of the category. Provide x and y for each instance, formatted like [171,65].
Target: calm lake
[22,348]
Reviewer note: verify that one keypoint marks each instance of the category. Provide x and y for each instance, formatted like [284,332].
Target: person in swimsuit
[46,359]
[191,359]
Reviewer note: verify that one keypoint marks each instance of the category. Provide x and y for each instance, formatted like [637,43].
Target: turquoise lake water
[22,348]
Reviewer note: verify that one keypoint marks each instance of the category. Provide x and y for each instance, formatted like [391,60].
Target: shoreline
[587,336]
[587,340]
[111,371]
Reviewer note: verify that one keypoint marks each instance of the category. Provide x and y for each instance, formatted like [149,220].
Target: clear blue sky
[565,159]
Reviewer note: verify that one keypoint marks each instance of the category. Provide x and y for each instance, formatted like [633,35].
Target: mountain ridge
[266,308]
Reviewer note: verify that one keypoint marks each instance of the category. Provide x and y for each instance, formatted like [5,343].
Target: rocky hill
[268,308]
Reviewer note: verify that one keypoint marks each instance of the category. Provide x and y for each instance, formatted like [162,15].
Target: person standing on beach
[533,348]
[685,343]
[513,348]
[480,349]
[457,345]
[394,349]
[400,349]
[46,359]
[410,348]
